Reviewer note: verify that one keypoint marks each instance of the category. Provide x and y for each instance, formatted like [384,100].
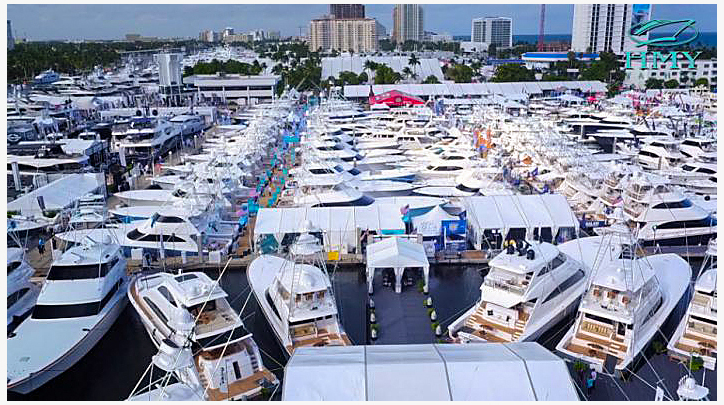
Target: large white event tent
[398,253]
[521,371]
[518,216]
[339,225]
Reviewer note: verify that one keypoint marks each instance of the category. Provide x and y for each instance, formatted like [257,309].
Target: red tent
[395,98]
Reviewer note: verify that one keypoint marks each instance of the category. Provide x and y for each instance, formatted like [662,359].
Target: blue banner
[454,226]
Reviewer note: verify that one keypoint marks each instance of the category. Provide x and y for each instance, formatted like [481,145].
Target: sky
[113,21]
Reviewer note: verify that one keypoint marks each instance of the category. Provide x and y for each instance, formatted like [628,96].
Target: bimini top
[625,275]
[437,372]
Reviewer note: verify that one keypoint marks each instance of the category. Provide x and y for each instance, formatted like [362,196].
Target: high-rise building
[347,10]
[605,27]
[227,32]
[496,31]
[169,74]
[11,40]
[349,34]
[407,23]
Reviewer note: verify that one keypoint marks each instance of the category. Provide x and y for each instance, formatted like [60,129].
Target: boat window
[653,310]
[74,310]
[208,306]
[354,171]
[82,271]
[237,372]
[156,310]
[695,223]
[12,266]
[321,171]
[184,277]
[157,238]
[570,281]
[170,220]
[700,319]
[16,296]
[685,203]
[599,318]
[167,294]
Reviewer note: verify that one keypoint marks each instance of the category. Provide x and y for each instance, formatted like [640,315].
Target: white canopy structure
[58,194]
[522,371]
[397,253]
[511,90]
[517,216]
[430,223]
[339,225]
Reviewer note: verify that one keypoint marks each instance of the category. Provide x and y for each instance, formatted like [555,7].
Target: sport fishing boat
[624,306]
[187,313]
[82,295]
[696,333]
[296,296]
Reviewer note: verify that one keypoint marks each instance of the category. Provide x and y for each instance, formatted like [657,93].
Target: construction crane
[542,27]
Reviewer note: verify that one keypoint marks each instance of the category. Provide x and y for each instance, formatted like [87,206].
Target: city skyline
[109,22]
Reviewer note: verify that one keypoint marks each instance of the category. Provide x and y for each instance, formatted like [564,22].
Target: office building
[704,69]
[169,74]
[408,23]
[605,27]
[347,10]
[233,88]
[496,31]
[357,35]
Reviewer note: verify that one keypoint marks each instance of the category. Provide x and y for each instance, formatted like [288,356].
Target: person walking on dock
[41,245]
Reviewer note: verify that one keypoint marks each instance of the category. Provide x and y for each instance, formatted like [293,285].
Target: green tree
[460,73]
[701,82]
[385,75]
[414,63]
[653,83]
[369,66]
[362,78]
[513,73]
[671,84]
[431,80]
[492,51]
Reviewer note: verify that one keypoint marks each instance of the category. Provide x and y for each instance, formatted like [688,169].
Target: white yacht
[189,124]
[660,153]
[699,148]
[22,293]
[173,232]
[147,137]
[82,295]
[664,216]
[696,334]
[320,192]
[626,303]
[189,311]
[527,290]
[296,296]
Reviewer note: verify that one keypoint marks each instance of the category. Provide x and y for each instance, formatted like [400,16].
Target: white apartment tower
[496,31]
[408,23]
[603,28]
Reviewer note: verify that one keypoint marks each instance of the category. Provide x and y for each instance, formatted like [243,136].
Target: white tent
[430,223]
[59,194]
[339,225]
[522,371]
[514,215]
[397,253]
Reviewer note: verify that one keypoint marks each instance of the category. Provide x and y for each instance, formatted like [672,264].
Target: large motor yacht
[296,296]
[626,303]
[190,312]
[81,297]
[696,334]
[528,289]
[664,216]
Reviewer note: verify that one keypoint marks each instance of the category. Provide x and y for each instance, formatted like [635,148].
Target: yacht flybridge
[296,296]
[528,289]
[200,338]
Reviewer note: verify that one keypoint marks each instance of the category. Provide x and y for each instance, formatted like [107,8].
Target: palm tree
[369,66]
[407,71]
[414,62]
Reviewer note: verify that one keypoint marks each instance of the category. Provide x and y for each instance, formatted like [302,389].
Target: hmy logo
[685,34]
